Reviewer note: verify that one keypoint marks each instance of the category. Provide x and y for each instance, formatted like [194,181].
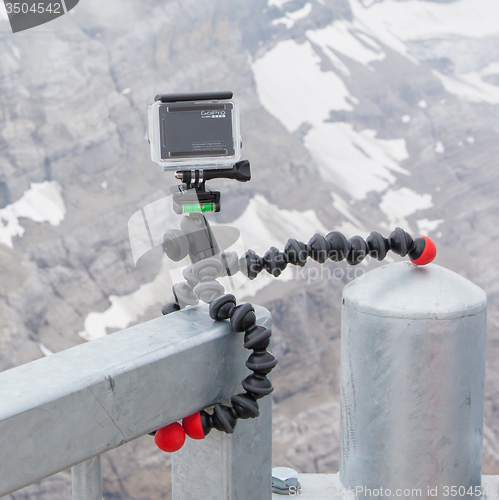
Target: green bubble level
[198,207]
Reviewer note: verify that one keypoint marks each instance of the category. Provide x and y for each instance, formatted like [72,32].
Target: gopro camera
[199,131]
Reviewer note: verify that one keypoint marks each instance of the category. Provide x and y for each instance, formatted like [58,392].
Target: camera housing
[194,131]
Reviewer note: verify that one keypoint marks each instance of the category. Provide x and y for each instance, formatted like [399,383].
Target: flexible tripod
[209,263]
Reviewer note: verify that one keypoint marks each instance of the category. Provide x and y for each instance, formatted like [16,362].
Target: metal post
[86,478]
[412,383]
[227,466]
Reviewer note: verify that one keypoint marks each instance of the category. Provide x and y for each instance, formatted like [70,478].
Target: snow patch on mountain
[394,23]
[45,350]
[43,202]
[284,20]
[263,225]
[491,69]
[350,227]
[470,86]
[426,226]
[439,148]
[342,37]
[126,309]
[344,209]
[277,3]
[398,204]
[290,18]
[357,162]
[294,89]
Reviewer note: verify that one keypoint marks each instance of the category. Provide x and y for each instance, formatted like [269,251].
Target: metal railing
[67,409]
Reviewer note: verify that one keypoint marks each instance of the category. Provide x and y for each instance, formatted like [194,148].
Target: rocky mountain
[356,115]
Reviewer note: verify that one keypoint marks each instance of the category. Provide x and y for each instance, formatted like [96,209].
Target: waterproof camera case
[197,131]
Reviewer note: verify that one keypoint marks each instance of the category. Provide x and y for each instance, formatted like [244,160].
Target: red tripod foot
[170,438]
[424,251]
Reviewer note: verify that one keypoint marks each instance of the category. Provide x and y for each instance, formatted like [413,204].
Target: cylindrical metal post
[412,383]
[86,478]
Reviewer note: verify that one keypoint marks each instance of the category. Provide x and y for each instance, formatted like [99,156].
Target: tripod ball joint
[175,245]
[241,317]
[251,264]
[377,246]
[222,307]
[199,425]
[274,262]
[245,405]
[261,362]
[170,307]
[296,252]
[258,338]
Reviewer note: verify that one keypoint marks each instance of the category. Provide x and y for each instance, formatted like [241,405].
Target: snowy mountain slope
[294,87]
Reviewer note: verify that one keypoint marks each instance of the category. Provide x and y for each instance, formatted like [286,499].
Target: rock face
[356,115]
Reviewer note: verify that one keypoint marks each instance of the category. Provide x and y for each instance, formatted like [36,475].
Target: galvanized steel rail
[66,409]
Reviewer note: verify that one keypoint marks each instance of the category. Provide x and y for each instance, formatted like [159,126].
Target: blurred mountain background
[356,115]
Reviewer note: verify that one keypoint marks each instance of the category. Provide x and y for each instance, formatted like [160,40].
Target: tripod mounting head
[193,197]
